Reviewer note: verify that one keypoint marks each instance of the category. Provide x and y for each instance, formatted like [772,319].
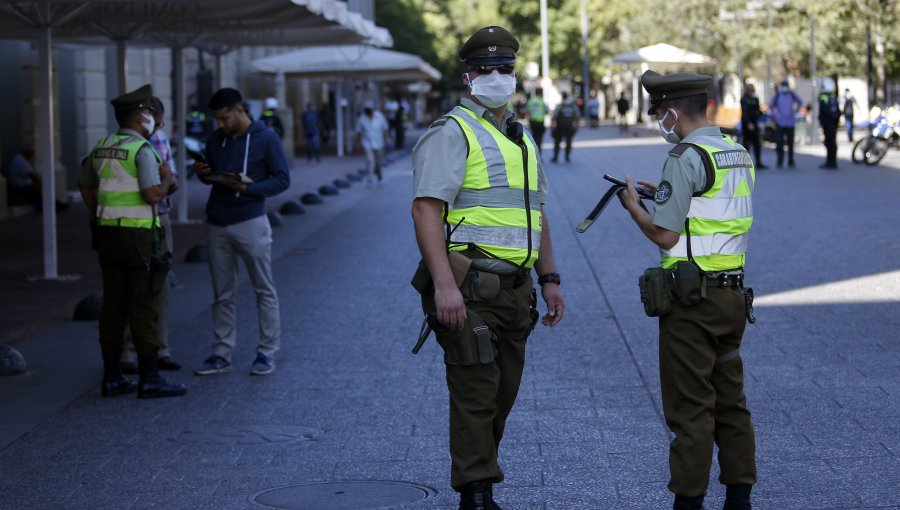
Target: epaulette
[440,122]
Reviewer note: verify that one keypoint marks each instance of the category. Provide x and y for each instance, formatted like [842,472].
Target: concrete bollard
[88,309]
[341,183]
[328,191]
[311,199]
[353,177]
[275,219]
[11,361]
[198,253]
[292,207]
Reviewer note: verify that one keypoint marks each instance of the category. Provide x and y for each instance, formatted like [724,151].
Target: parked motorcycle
[883,135]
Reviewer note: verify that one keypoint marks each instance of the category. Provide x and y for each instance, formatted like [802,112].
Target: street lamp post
[545,55]
[585,65]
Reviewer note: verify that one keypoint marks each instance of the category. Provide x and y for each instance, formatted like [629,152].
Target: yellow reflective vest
[536,108]
[119,199]
[719,219]
[491,210]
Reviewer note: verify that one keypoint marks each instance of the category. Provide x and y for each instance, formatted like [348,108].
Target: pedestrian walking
[849,106]
[537,113]
[750,114]
[480,191]
[829,118]
[22,182]
[622,106]
[593,109]
[246,165]
[400,121]
[311,126]
[160,143]
[564,126]
[270,117]
[122,182]
[702,217]
[372,134]
[784,107]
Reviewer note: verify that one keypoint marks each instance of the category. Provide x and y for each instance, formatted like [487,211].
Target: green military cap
[490,46]
[673,86]
[134,100]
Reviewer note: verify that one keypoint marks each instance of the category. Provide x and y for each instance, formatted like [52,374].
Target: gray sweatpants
[250,240]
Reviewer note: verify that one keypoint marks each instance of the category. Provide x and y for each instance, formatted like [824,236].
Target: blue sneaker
[263,365]
[214,365]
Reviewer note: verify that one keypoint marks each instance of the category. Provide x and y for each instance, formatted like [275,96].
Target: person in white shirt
[372,133]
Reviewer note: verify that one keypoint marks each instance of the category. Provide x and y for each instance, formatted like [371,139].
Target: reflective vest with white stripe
[490,209]
[719,219]
[119,199]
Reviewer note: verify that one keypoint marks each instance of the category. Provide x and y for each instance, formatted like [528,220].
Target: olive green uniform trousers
[702,379]
[127,294]
[482,395]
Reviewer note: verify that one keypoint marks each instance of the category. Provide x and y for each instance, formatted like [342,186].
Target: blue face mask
[669,134]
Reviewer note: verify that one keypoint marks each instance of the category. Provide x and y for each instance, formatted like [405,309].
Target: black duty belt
[513,281]
[511,275]
[724,281]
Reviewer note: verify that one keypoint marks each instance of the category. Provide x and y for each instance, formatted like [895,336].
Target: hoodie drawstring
[246,157]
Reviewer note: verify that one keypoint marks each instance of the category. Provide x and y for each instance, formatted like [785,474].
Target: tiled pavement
[349,402]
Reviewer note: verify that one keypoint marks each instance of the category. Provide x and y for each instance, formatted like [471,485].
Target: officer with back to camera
[479,196]
[122,182]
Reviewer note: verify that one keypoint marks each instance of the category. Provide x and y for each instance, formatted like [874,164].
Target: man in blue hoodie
[238,226]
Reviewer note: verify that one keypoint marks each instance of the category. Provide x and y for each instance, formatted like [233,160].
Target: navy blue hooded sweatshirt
[258,152]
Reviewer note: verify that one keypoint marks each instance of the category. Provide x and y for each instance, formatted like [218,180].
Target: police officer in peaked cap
[122,181]
[480,190]
[701,222]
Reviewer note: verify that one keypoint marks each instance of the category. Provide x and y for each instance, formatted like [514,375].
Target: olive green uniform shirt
[439,157]
[685,175]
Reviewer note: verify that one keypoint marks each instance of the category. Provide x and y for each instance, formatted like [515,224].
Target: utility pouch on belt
[459,264]
[656,291]
[152,280]
[480,286]
[688,282]
[748,305]
[475,344]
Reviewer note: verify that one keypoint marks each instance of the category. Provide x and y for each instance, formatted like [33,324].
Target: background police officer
[480,189]
[703,214]
[121,183]
[829,117]
[537,112]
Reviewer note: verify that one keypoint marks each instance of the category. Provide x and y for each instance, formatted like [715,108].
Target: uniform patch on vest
[438,123]
[103,153]
[732,159]
[663,192]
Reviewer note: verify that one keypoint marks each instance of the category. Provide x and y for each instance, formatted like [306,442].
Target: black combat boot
[737,497]
[113,383]
[151,385]
[476,496]
[686,503]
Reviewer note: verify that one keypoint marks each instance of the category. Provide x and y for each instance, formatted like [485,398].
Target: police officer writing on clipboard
[703,214]
[479,195]
[122,182]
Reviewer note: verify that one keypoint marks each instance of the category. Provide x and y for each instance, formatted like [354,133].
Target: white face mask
[150,124]
[669,134]
[493,90]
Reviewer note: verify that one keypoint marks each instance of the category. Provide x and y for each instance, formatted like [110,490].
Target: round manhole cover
[247,435]
[347,495]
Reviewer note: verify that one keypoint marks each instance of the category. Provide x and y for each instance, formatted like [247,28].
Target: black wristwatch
[548,278]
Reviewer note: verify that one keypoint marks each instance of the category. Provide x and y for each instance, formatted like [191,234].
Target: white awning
[663,54]
[355,61]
